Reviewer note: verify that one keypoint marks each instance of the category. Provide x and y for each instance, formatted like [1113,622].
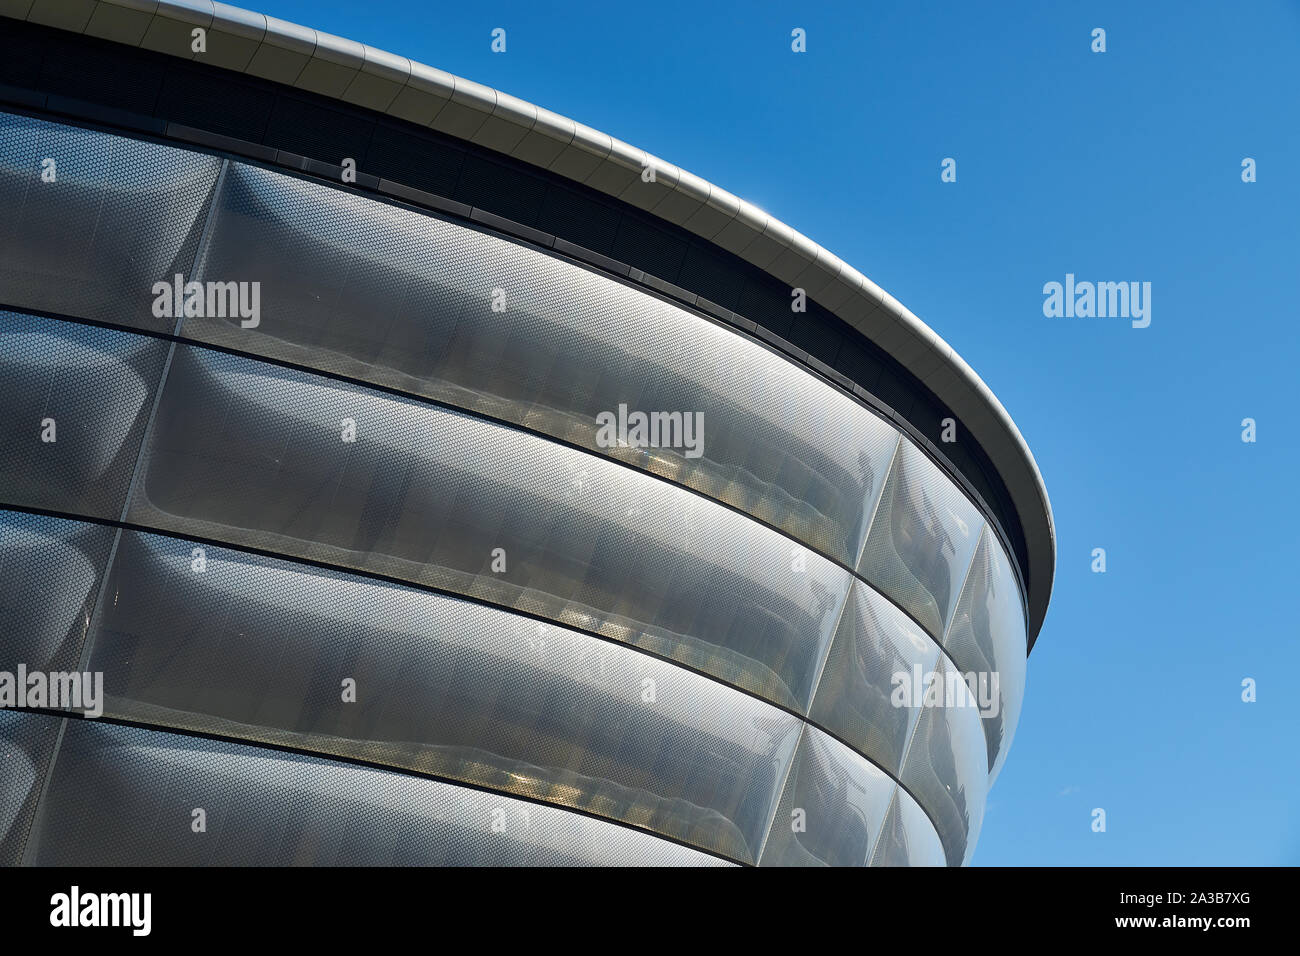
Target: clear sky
[1116,166]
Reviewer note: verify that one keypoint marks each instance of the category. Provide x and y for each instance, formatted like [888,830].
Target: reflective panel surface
[267,651]
[251,453]
[987,640]
[76,402]
[921,540]
[946,765]
[907,838]
[49,579]
[118,795]
[609,634]
[118,216]
[403,299]
[26,743]
[867,691]
[833,806]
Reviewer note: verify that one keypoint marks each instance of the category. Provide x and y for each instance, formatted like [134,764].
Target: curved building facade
[428,479]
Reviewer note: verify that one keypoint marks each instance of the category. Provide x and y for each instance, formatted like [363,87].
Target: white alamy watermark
[1102,300]
[75,908]
[60,690]
[211,300]
[953,689]
[624,429]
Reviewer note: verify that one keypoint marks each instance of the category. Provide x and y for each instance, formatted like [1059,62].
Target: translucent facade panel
[922,539]
[26,742]
[254,454]
[867,693]
[124,796]
[119,216]
[49,580]
[402,299]
[258,648]
[946,765]
[908,838]
[832,807]
[76,401]
[586,643]
[987,639]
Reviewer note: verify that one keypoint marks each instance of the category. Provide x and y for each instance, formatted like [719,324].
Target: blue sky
[1120,166]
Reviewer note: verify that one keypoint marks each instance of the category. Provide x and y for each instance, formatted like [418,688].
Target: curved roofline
[300,57]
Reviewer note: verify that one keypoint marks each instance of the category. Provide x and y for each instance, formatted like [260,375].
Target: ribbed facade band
[365,585]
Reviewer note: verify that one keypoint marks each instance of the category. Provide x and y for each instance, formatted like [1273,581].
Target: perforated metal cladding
[246,452]
[49,579]
[119,796]
[946,764]
[76,400]
[402,299]
[26,742]
[855,699]
[922,539]
[259,649]
[907,837]
[987,638]
[119,216]
[832,807]
[253,454]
